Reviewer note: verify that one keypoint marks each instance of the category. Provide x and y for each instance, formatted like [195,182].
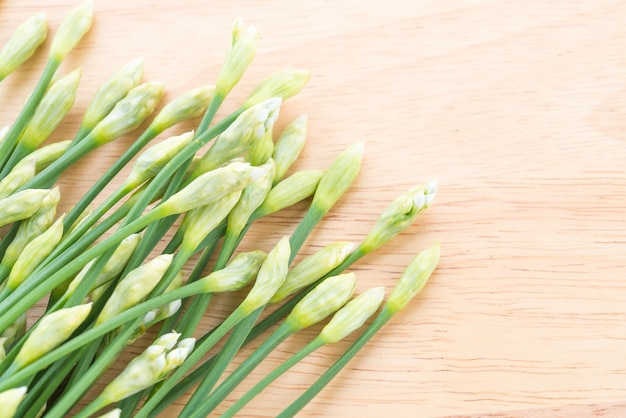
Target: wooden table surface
[518,108]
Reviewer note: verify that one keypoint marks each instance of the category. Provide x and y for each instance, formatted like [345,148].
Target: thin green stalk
[9,142]
[304,228]
[273,375]
[216,102]
[233,319]
[332,371]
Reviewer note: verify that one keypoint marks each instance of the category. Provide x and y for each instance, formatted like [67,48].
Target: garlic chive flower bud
[19,175]
[34,253]
[178,355]
[208,188]
[189,105]
[129,112]
[53,107]
[271,275]
[289,146]
[52,330]
[284,84]
[75,25]
[399,215]
[239,136]
[261,149]
[112,268]
[135,286]
[21,205]
[23,44]
[338,177]
[33,226]
[238,59]
[46,155]
[237,274]
[290,191]
[10,401]
[252,196]
[352,315]
[413,279]
[322,301]
[111,92]
[199,222]
[313,268]
[113,413]
[152,160]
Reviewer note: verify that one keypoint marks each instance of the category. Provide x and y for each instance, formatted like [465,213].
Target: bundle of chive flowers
[97,268]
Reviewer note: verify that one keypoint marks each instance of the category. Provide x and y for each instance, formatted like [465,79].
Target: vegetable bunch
[102,274]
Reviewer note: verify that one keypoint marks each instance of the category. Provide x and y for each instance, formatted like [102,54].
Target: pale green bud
[10,400]
[46,155]
[208,188]
[52,330]
[253,195]
[322,301]
[289,146]
[19,175]
[290,191]
[238,58]
[168,341]
[53,107]
[14,332]
[112,91]
[414,278]
[399,215]
[152,160]
[114,413]
[271,275]
[284,84]
[142,372]
[261,149]
[313,267]
[75,25]
[34,253]
[338,177]
[353,315]
[23,44]
[199,222]
[189,105]
[237,274]
[21,205]
[165,311]
[178,355]
[239,136]
[112,268]
[135,286]
[129,112]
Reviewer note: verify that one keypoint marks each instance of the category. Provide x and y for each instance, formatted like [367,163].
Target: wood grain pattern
[517,107]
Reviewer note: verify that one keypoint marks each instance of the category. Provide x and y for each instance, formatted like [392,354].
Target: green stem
[311,218]
[216,102]
[273,375]
[19,152]
[9,142]
[233,319]
[97,404]
[332,371]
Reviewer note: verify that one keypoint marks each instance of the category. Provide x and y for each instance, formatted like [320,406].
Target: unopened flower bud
[399,215]
[46,155]
[112,91]
[51,110]
[23,44]
[290,191]
[270,277]
[10,400]
[289,145]
[21,205]
[353,315]
[19,175]
[322,301]
[261,149]
[239,136]
[189,105]
[128,113]
[152,160]
[74,26]
[284,84]
[52,329]
[238,59]
[135,286]
[414,278]
[237,274]
[313,268]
